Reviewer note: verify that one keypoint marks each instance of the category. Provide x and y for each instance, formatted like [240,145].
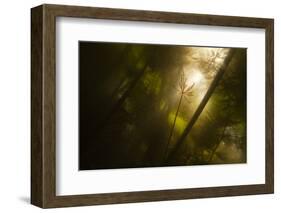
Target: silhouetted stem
[217,145]
[203,103]
[173,127]
[122,98]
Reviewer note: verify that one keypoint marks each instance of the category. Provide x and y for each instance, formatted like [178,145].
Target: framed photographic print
[135,106]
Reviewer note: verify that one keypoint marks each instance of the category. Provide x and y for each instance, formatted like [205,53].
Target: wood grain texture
[36,106]
[269,118]
[43,105]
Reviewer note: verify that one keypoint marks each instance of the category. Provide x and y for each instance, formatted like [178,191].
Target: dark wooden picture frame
[43,105]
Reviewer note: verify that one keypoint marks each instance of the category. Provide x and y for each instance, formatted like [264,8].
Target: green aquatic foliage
[180,122]
[152,82]
[135,105]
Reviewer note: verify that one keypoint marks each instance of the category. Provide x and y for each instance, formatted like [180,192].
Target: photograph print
[155,105]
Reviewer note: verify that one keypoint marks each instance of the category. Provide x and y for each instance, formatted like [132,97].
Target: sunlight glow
[196,77]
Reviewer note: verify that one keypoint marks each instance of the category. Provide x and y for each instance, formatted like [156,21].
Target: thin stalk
[217,145]
[121,100]
[203,103]
[220,139]
[173,126]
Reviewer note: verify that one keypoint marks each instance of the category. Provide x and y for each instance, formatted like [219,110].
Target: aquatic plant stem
[173,127]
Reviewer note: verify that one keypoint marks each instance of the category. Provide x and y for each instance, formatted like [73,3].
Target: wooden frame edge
[43,172]
[36,106]
[269,138]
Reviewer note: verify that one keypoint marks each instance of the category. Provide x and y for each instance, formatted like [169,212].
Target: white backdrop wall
[15,105]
